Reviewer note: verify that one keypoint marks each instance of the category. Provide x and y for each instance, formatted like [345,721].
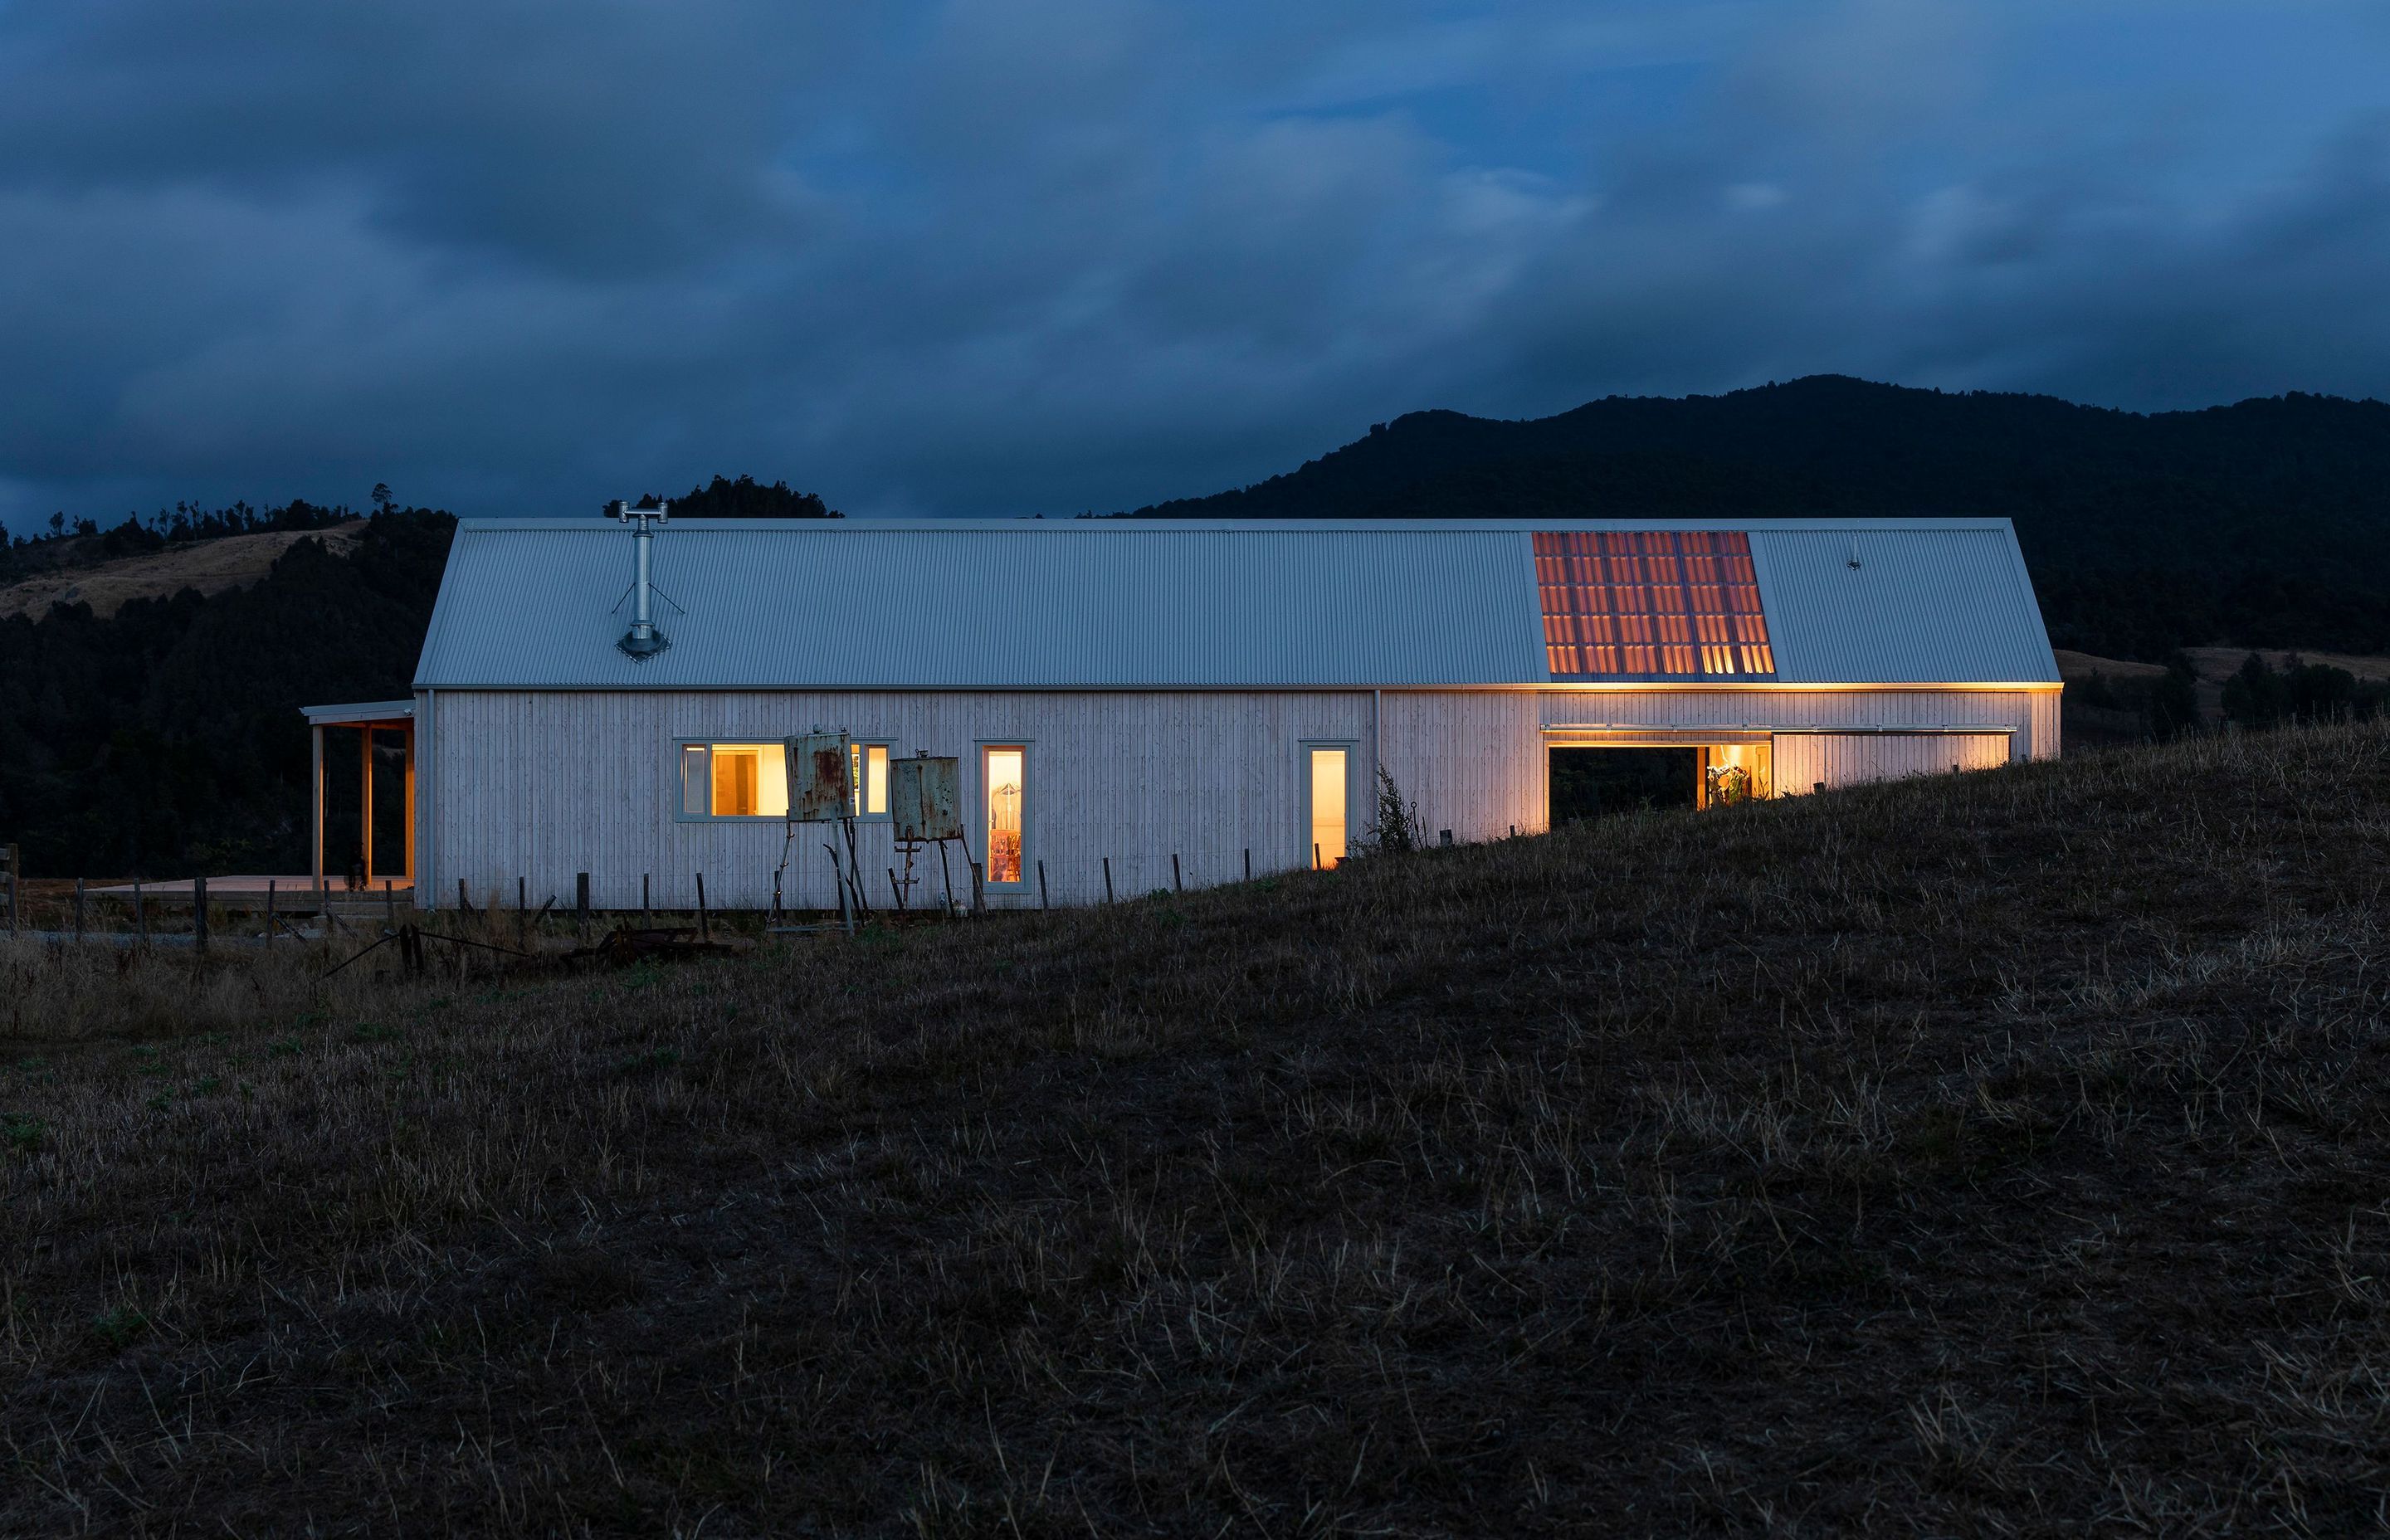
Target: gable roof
[1129,604]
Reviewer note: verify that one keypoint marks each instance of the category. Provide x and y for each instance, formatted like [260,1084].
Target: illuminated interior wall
[1755,760]
[750,780]
[1331,786]
[1005,799]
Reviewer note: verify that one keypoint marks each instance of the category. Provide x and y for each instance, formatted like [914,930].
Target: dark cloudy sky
[991,258]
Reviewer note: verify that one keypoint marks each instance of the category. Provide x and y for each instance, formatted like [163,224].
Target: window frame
[1027,749]
[859,760]
[1304,860]
[678,792]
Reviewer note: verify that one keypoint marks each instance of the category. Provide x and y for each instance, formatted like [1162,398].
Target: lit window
[1651,604]
[1006,788]
[1329,782]
[871,779]
[734,780]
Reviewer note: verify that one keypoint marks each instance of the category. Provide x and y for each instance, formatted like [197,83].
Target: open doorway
[1590,781]
[1593,783]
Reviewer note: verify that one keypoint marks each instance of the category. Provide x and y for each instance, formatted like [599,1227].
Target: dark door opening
[1590,783]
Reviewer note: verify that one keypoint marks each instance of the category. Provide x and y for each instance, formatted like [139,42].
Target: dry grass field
[209,566]
[2001,1154]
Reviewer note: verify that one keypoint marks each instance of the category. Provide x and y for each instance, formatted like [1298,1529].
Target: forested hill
[2265,523]
[165,738]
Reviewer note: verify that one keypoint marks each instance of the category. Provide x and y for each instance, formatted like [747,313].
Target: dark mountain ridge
[2262,524]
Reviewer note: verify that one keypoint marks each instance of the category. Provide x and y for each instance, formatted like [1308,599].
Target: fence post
[1041,882]
[1176,880]
[199,915]
[1108,880]
[979,893]
[522,912]
[704,927]
[390,902]
[646,909]
[463,906]
[1249,863]
[581,898]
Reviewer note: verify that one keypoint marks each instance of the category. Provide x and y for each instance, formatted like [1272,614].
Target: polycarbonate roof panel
[807,604]
[1926,604]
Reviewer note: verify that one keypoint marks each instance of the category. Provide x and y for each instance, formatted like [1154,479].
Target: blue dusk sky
[518,256]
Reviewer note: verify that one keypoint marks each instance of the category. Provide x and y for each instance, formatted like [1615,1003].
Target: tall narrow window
[1328,797]
[1007,804]
[870,780]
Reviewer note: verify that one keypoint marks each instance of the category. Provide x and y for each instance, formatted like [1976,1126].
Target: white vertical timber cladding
[1804,760]
[2045,724]
[547,783]
[542,785]
[1762,709]
[1472,761]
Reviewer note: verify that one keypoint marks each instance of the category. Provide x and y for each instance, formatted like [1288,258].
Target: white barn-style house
[1132,691]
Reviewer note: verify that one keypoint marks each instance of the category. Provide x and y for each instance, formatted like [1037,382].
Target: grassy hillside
[1986,1154]
[2260,524]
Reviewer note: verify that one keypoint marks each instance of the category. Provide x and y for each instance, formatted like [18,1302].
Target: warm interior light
[1006,783]
[1328,784]
[870,779]
[751,780]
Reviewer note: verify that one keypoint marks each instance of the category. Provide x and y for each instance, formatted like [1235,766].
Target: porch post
[365,797]
[407,734]
[316,783]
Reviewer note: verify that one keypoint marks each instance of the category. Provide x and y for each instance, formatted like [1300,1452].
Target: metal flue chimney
[643,641]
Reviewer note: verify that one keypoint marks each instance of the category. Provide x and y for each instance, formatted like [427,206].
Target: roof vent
[644,640]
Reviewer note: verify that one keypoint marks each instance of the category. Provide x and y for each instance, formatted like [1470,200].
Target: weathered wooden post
[897,887]
[979,889]
[1249,863]
[199,915]
[1176,880]
[704,927]
[580,899]
[646,909]
[1041,882]
[463,906]
[1108,880]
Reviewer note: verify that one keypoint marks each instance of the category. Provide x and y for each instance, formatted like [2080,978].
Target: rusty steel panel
[821,778]
[925,797]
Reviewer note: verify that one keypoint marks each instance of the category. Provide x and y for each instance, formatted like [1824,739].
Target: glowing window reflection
[1007,786]
[1328,797]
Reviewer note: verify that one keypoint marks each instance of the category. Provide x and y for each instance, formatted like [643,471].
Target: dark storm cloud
[988,258]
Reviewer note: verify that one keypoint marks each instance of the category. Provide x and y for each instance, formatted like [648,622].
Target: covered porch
[376,723]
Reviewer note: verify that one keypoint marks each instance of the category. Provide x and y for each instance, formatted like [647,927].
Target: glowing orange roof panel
[1651,604]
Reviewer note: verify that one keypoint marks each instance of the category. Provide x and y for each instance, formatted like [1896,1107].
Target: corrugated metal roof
[1925,605]
[1130,604]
